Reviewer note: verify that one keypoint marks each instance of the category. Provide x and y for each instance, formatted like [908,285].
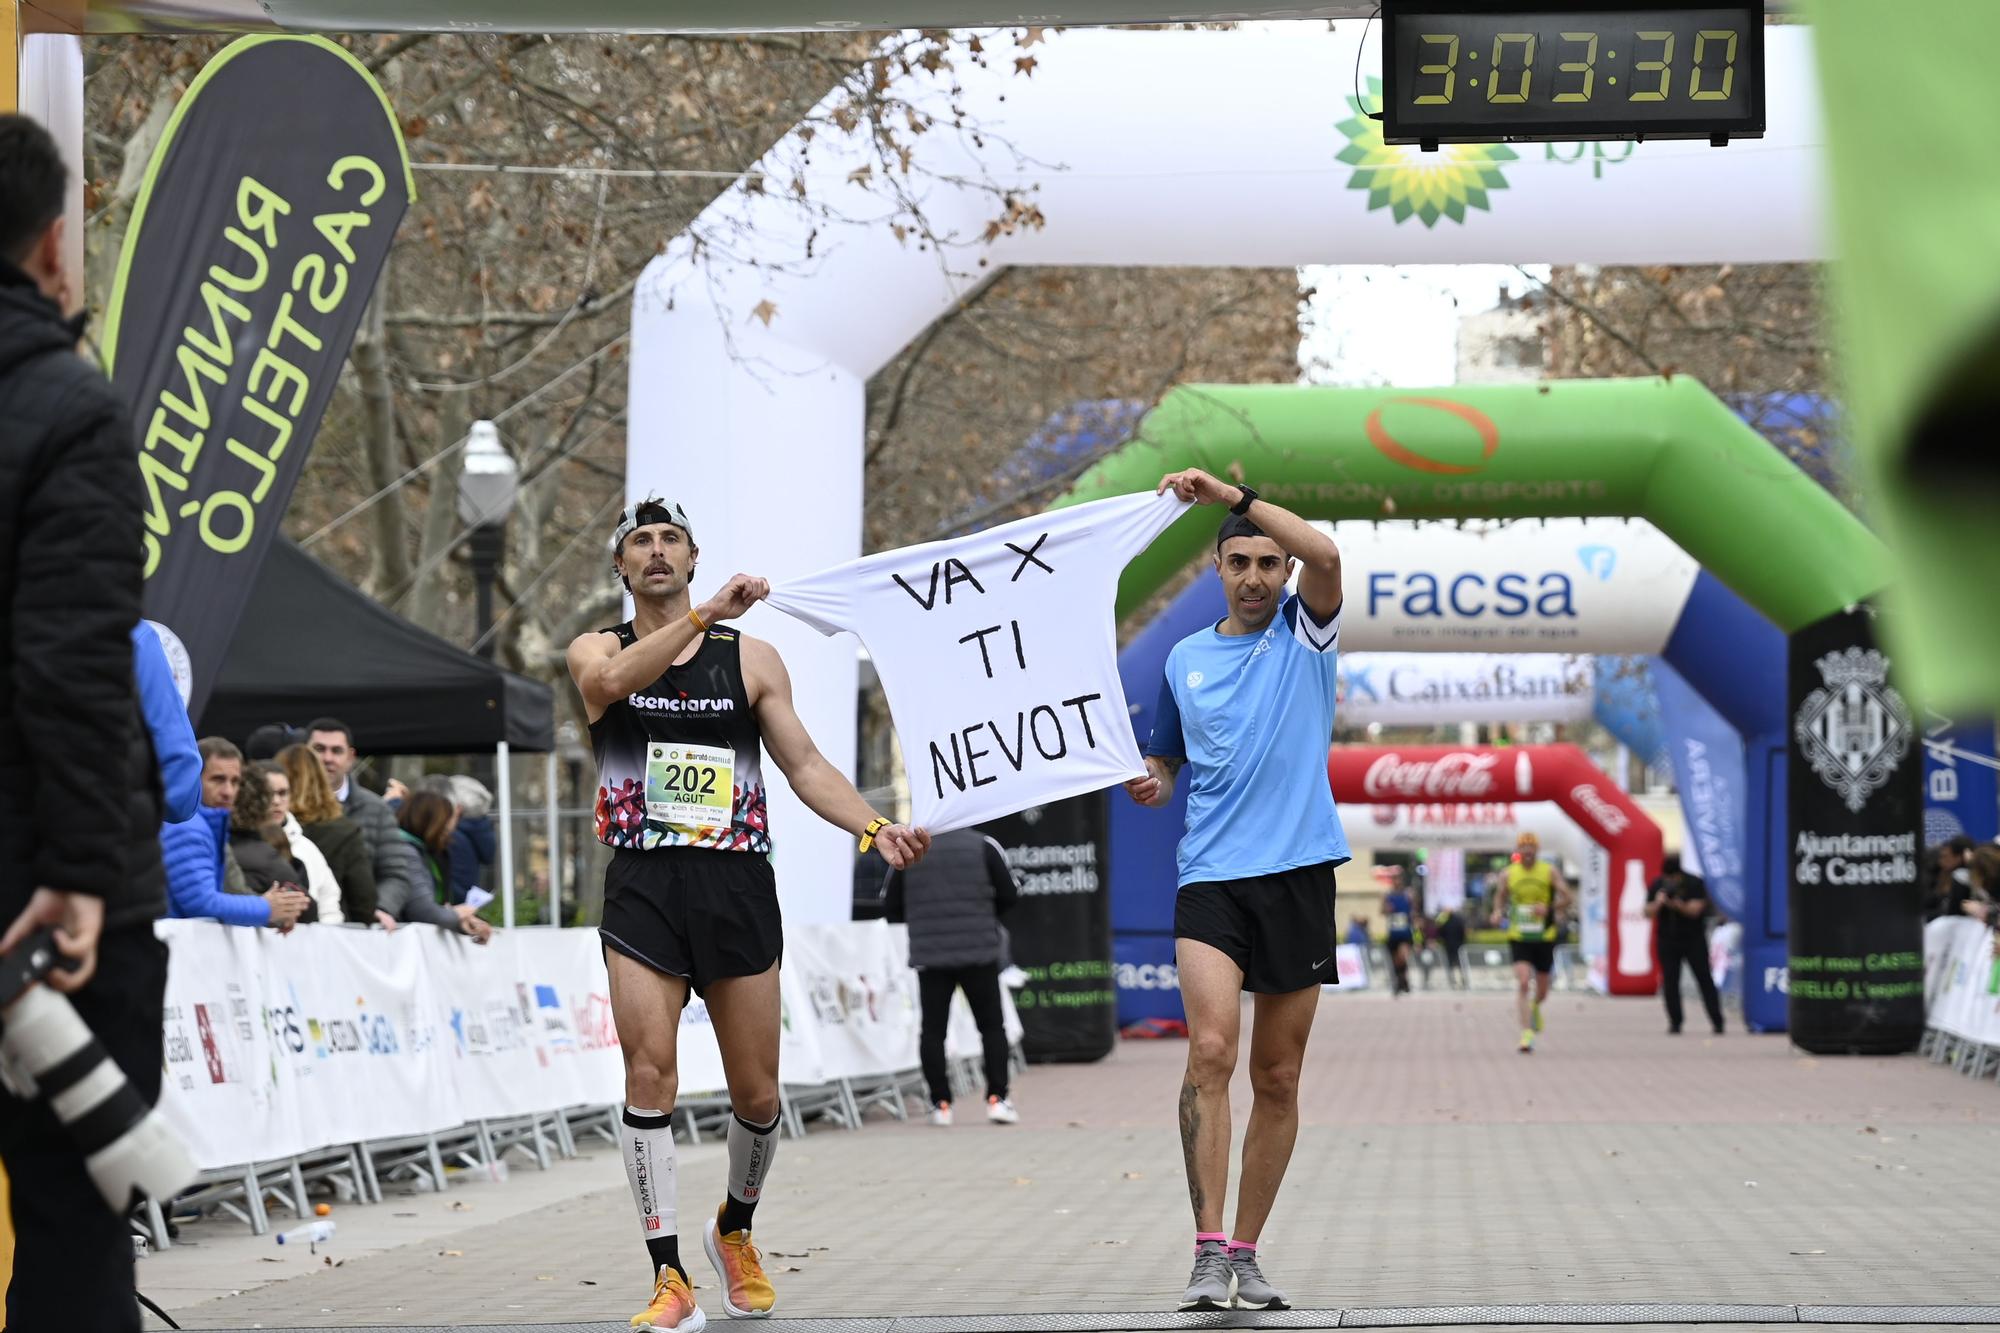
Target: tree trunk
[389,558]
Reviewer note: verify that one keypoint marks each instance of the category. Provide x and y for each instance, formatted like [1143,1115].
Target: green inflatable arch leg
[1664,450]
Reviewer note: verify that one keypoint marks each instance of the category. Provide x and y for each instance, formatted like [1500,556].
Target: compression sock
[751,1148]
[646,1142]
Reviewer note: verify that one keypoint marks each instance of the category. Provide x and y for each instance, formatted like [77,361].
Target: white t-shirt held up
[999,655]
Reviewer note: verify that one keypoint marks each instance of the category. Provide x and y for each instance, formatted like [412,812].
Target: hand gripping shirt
[998,653]
[1253,716]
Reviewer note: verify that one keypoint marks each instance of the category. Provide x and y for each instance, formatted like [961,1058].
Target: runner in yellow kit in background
[1533,899]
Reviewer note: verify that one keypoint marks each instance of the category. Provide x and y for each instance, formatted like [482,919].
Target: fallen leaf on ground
[460,1206]
[545,1277]
[1022,1180]
[451,1254]
[1135,1175]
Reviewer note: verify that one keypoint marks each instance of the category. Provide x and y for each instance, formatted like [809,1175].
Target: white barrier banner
[1961,980]
[861,995]
[277,1045]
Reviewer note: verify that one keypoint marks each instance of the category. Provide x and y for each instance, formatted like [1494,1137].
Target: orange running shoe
[746,1291]
[673,1309]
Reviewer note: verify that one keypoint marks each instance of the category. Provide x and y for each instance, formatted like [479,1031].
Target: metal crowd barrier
[355,1172]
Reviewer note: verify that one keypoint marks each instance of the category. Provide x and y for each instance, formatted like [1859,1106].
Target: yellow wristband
[875,826]
[695,616]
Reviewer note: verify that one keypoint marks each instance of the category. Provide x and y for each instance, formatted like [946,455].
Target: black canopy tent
[310,645]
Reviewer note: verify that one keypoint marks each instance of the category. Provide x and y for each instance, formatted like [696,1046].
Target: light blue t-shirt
[1253,715]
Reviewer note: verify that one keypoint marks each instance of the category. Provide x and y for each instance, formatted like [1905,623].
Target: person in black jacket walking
[80,796]
[1678,904]
[953,900]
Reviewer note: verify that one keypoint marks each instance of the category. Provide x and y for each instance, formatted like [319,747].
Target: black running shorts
[1538,954]
[694,913]
[1278,928]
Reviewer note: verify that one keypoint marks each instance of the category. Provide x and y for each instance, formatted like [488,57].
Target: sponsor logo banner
[1564,585]
[1854,978]
[265,216]
[1423,689]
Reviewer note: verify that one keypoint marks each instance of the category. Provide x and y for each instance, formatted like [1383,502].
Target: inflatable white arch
[752,345]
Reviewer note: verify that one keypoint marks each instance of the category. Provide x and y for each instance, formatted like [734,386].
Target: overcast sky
[1395,324]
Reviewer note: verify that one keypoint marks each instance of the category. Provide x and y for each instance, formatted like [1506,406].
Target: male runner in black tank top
[678,708]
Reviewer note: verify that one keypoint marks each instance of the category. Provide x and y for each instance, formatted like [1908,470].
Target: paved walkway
[1434,1167]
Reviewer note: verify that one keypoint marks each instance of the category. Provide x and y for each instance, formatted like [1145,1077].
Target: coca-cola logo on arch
[1460,774]
[1613,820]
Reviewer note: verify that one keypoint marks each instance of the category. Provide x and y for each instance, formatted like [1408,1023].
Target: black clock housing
[1469,71]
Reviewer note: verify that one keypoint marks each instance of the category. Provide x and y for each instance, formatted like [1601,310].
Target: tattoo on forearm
[1190,1132]
[1171,764]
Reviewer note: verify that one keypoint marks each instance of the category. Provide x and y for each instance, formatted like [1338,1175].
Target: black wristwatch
[1243,506]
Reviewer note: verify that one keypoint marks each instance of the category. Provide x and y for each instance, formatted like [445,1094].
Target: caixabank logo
[1412,184]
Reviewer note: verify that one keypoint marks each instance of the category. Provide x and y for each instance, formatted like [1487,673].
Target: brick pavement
[1435,1166]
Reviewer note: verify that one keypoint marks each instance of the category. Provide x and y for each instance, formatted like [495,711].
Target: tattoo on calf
[1190,1132]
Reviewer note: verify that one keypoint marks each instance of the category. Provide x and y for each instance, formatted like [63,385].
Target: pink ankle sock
[1219,1237]
[1245,1246]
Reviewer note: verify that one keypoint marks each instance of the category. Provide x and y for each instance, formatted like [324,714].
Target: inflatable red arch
[1425,774]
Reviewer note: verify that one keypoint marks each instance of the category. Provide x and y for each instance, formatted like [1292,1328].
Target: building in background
[1501,345]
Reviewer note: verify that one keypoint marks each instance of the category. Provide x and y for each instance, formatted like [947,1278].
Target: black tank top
[680,764]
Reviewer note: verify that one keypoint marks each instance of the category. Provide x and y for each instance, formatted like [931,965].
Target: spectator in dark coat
[1451,943]
[1950,880]
[424,837]
[80,790]
[333,741]
[338,838]
[953,900]
[474,844]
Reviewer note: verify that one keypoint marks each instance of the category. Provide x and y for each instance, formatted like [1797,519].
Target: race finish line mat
[1426,1316]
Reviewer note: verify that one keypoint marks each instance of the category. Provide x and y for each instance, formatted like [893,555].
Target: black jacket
[79,788]
[346,851]
[953,899]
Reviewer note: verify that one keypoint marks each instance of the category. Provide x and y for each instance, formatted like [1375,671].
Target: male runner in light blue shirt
[1247,708]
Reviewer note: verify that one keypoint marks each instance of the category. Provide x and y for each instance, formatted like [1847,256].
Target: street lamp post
[487,486]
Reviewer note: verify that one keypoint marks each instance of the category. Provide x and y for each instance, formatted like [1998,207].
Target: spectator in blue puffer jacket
[193,850]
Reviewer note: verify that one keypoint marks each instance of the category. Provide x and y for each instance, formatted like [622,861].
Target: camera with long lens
[127,1146]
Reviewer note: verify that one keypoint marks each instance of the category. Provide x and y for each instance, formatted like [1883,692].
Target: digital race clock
[1464,71]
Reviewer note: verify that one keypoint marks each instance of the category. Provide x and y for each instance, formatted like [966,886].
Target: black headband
[1237,525]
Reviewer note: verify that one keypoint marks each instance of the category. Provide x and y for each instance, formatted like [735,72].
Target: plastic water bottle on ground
[312,1233]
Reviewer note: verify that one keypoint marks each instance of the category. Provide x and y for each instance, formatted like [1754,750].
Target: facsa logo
[1420,593]
[1148,976]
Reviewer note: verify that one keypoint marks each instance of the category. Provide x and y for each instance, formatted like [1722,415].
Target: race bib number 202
[689,786]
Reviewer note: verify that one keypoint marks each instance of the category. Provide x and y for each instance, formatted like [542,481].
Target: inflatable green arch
[1665,450]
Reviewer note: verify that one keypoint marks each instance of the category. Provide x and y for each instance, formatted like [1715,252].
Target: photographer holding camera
[80,799]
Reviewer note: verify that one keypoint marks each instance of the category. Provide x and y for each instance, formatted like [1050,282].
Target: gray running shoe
[1252,1291]
[1209,1288]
